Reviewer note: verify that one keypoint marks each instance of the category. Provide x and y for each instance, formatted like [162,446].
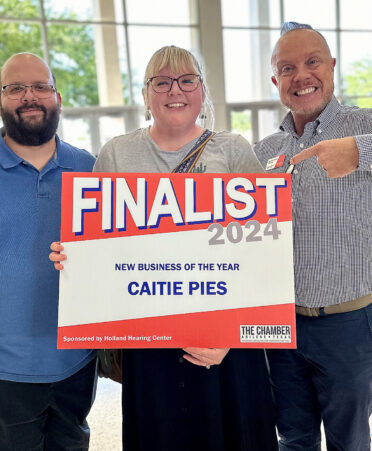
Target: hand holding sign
[205,356]
[339,157]
[56,255]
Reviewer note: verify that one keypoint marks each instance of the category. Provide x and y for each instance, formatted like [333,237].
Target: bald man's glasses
[16,91]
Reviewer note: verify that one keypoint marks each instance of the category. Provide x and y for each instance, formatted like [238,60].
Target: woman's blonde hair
[180,60]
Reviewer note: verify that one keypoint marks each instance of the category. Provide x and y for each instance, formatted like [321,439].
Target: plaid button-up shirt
[332,218]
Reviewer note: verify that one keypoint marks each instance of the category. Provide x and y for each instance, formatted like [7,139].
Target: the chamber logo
[265,333]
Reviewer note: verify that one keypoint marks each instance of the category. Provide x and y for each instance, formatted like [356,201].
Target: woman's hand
[56,255]
[205,356]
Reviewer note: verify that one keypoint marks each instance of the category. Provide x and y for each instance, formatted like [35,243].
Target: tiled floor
[105,417]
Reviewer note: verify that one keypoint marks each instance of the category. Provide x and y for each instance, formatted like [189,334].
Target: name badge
[275,162]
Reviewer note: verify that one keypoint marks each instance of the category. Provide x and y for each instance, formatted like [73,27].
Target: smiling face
[29,120]
[176,108]
[303,70]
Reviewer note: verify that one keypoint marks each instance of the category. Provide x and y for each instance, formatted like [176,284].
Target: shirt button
[180,360]
[370,166]
[183,409]
[302,145]
[182,384]
[319,131]
[295,171]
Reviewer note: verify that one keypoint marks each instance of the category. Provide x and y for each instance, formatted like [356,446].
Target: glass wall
[98,50]
[250,30]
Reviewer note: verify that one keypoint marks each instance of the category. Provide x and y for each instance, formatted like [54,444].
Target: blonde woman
[191,399]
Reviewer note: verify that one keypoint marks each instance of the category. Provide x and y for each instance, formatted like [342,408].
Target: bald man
[45,393]
[328,151]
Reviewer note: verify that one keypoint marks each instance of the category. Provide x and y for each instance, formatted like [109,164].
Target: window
[98,50]
[250,30]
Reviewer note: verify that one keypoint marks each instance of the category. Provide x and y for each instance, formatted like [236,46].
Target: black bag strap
[189,162]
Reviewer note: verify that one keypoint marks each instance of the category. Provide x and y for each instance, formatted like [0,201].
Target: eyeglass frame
[149,80]
[53,90]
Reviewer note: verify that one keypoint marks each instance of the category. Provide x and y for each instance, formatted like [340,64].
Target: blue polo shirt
[30,204]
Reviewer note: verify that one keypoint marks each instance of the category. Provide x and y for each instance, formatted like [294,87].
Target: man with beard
[327,149]
[45,393]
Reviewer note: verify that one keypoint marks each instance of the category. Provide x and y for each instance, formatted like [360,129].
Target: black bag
[110,364]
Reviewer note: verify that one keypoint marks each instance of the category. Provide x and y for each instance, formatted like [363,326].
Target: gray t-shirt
[137,152]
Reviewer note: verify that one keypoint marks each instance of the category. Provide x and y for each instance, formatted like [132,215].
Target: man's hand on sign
[56,255]
[339,157]
[205,356]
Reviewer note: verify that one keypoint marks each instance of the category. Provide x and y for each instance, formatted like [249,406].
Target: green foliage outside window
[72,55]
[72,59]
[16,37]
[241,121]
[359,83]
[20,9]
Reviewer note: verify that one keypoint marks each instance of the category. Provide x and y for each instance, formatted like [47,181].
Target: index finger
[304,155]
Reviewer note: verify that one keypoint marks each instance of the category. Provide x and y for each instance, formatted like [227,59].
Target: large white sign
[159,260]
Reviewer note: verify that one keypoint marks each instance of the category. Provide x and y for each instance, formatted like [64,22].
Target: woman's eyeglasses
[186,82]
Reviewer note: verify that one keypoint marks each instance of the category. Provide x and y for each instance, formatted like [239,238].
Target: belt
[348,306]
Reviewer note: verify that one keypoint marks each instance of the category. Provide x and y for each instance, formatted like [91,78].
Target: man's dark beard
[29,134]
